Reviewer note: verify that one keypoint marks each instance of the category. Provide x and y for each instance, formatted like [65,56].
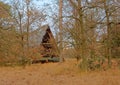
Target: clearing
[66,73]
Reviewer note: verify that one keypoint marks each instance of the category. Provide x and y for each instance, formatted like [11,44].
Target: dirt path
[56,74]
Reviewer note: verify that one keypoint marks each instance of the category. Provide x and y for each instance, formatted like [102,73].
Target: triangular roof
[44,39]
[36,37]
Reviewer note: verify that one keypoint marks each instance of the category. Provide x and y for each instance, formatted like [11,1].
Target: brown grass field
[66,73]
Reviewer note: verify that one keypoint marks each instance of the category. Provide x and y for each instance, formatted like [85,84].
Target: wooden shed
[43,40]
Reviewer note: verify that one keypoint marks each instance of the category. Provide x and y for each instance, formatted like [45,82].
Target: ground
[66,73]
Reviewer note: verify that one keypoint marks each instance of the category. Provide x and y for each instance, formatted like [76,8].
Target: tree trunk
[60,28]
[108,33]
[28,22]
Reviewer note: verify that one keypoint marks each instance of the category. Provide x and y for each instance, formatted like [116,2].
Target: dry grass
[66,73]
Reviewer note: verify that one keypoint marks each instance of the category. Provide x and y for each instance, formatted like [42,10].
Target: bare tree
[61,27]
[27,18]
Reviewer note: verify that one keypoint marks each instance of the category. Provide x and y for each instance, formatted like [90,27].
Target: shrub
[93,63]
